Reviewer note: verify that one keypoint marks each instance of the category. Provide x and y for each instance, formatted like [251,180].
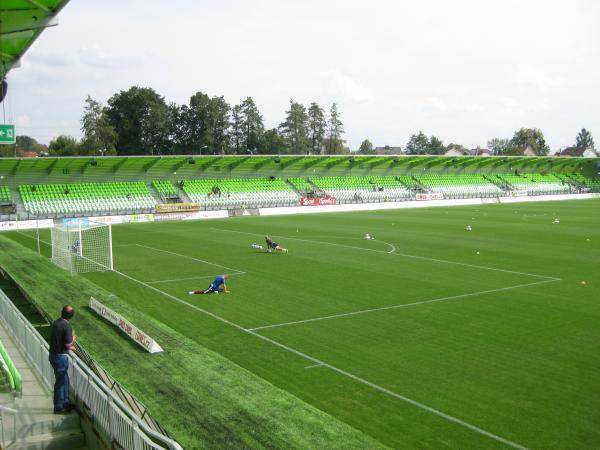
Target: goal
[82,246]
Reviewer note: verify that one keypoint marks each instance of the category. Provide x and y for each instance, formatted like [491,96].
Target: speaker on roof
[3,89]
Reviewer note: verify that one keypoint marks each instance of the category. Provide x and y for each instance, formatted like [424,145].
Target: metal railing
[13,412]
[110,416]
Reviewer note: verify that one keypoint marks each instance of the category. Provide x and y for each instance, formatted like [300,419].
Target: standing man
[215,286]
[62,340]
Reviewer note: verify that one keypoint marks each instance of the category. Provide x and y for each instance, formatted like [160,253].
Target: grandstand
[362,189]
[5,197]
[92,198]
[536,184]
[250,192]
[62,187]
[460,186]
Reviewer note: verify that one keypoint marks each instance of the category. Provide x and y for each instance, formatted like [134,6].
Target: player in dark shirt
[62,340]
[274,245]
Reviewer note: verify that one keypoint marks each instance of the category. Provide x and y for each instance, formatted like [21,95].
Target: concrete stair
[37,427]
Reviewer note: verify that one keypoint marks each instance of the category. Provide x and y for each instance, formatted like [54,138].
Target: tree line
[523,139]
[138,121]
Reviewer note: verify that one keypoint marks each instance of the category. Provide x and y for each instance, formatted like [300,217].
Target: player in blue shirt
[215,286]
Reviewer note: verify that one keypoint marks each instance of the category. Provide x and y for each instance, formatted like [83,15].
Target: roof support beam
[38,5]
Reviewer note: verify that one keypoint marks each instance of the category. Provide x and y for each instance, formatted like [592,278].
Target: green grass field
[428,336]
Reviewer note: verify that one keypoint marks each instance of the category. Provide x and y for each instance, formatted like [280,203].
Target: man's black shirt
[60,335]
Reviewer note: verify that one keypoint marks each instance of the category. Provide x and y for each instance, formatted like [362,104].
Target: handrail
[12,412]
[112,416]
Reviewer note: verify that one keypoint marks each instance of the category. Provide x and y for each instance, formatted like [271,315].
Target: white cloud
[345,85]
[537,79]
[23,121]
[439,105]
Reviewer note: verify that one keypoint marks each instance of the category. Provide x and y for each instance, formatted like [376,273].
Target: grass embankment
[202,398]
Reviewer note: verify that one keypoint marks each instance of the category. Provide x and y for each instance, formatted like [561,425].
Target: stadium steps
[293,188]
[38,428]
[159,198]
[183,196]
[500,183]
[418,184]
[509,186]
[570,180]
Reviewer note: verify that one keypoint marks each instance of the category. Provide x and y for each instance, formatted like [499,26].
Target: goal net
[82,246]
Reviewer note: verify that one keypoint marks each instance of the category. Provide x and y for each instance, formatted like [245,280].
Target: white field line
[406,255]
[393,250]
[190,278]
[404,305]
[313,366]
[393,247]
[190,257]
[356,378]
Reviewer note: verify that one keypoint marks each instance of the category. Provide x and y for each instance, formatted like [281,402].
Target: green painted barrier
[14,377]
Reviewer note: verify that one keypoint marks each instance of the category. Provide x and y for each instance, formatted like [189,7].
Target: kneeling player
[274,246]
[215,286]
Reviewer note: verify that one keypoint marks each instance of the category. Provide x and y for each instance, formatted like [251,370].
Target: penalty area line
[403,305]
[189,278]
[345,373]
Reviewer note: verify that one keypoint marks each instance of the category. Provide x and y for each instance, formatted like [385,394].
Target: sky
[466,71]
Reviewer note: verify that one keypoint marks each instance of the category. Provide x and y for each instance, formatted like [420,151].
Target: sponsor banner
[76,221]
[318,201]
[138,218]
[173,216]
[430,196]
[517,193]
[177,207]
[127,327]
[191,215]
[14,225]
[112,220]
[244,212]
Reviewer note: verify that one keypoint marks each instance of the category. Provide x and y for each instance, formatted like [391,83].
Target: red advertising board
[318,201]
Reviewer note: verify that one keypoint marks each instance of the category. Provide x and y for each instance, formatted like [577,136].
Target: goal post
[80,246]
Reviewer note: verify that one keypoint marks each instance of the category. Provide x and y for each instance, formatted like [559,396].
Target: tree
[237,129]
[317,126]
[218,119]
[584,140]
[295,128]
[530,137]
[335,129]
[98,134]
[63,146]
[417,144]
[366,148]
[272,143]
[23,144]
[499,146]
[436,146]
[252,125]
[140,119]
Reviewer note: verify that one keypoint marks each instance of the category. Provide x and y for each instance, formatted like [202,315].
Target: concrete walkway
[37,427]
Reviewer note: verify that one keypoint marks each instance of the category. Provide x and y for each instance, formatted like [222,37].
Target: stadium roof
[21,22]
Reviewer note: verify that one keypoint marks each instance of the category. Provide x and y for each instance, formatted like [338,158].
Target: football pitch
[427,336]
